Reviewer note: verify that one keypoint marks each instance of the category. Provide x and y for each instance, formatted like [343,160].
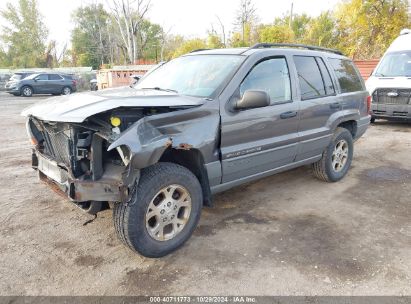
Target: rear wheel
[372,120]
[66,91]
[337,157]
[26,91]
[163,212]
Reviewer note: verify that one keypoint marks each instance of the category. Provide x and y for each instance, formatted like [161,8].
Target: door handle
[288,114]
[335,105]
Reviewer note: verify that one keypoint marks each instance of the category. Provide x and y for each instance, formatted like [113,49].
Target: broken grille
[392,96]
[56,144]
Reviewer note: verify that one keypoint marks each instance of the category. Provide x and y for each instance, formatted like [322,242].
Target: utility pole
[291,13]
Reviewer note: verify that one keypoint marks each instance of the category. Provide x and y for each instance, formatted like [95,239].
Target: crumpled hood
[77,107]
[373,83]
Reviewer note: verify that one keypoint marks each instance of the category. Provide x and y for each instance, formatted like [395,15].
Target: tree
[321,31]
[89,38]
[149,40]
[24,35]
[245,18]
[365,28]
[276,33]
[129,15]
[190,45]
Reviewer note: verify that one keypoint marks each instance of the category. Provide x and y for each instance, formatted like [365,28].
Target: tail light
[74,82]
[369,99]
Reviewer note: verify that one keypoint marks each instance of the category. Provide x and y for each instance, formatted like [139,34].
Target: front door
[258,140]
[40,83]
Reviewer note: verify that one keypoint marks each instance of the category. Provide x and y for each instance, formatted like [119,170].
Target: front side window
[42,77]
[55,77]
[347,75]
[395,65]
[270,76]
[309,76]
[194,75]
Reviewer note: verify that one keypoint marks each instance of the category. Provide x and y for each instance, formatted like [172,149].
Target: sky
[188,18]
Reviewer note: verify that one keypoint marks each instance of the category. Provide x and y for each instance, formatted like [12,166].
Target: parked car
[16,77]
[43,83]
[93,85]
[390,83]
[195,126]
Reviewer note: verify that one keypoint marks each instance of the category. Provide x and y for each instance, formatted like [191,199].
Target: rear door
[56,83]
[350,82]
[318,102]
[258,140]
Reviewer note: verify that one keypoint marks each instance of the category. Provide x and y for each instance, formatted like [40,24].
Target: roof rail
[293,45]
[199,50]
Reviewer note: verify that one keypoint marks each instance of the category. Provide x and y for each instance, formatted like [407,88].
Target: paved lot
[288,234]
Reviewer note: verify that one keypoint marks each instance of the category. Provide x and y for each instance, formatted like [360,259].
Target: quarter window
[329,87]
[271,76]
[309,76]
[347,75]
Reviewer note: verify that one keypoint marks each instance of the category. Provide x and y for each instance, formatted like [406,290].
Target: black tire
[130,219]
[26,91]
[66,91]
[323,169]
[372,120]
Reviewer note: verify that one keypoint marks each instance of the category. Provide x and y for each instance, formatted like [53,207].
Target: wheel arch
[350,125]
[193,160]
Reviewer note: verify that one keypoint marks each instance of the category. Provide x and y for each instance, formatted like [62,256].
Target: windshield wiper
[161,89]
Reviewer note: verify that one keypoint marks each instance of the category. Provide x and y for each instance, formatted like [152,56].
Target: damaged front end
[75,158]
[99,159]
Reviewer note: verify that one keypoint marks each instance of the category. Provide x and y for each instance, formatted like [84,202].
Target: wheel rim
[66,91]
[27,91]
[168,212]
[340,155]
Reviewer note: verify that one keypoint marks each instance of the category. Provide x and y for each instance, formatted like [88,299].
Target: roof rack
[293,45]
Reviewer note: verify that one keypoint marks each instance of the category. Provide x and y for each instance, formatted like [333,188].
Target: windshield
[32,76]
[395,65]
[16,77]
[199,75]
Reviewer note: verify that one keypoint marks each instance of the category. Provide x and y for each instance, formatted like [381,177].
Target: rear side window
[309,76]
[54,77]
[347,75]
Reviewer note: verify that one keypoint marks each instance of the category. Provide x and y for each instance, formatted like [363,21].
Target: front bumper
[391,112]
[12,90]
[108,188]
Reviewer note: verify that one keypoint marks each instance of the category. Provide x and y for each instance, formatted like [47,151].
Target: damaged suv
[197,125]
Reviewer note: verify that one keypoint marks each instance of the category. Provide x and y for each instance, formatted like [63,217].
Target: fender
[148,138]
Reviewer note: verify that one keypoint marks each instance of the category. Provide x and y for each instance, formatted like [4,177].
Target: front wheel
[337,157]
[163,212]
[26,91]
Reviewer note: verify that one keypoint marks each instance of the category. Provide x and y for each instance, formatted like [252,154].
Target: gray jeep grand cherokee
[195,126]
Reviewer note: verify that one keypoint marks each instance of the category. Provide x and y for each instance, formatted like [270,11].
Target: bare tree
[128,15]
[246,15]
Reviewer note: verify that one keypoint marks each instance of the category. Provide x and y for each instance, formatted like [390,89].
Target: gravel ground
[288,234]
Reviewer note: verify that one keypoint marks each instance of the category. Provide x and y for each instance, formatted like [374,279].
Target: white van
[390,83]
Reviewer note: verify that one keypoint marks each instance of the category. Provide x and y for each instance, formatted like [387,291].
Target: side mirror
[35,79]
[253,99]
